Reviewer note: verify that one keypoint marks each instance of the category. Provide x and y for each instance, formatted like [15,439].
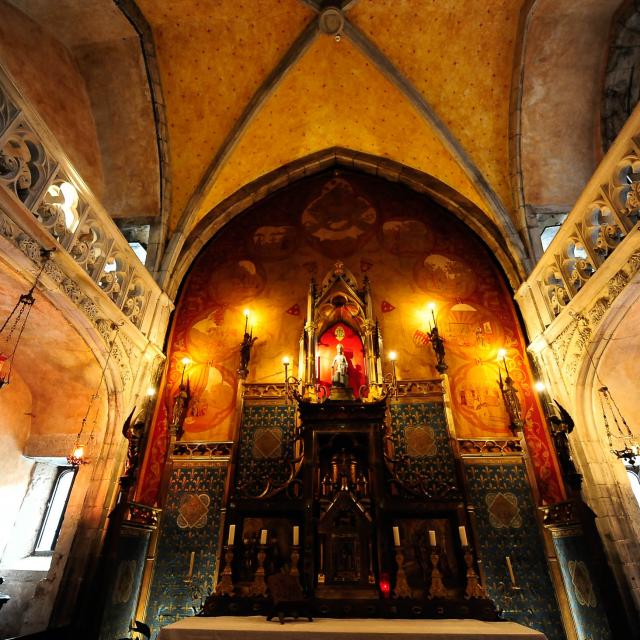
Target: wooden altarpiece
[345,481]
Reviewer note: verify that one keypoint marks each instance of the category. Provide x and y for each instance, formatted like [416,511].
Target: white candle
[511,574]
[396,536]
[192,559]
[463,536]
[263,536]
[296,536]
[232,534]
[432,538]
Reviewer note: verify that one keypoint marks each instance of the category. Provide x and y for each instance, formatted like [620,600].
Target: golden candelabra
[474,588]
[402,589]
[437,588]
[225,586]
[259,586]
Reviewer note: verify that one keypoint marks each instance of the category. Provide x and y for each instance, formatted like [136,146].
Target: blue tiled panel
[584,598]
[438,464]
[123,583]
[255,468]
[507,526]
[190,522]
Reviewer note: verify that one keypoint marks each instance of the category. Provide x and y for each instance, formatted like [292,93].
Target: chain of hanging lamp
[630,448]
[13,327]
[81,450]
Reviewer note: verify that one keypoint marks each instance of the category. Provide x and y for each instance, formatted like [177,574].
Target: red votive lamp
[385,585]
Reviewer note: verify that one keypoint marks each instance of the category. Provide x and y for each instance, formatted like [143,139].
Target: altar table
[257,628]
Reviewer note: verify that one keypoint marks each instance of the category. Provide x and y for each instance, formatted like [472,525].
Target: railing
[36,173]
[606,213]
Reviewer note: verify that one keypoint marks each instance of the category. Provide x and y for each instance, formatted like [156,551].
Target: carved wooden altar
[321,479]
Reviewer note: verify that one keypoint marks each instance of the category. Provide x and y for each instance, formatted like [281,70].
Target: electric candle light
[151,392]
[463,536]
[296,536]
[263,537]
[396,536]
[432,538]
[432,307]
[232,534]
[539,386]
[510,568]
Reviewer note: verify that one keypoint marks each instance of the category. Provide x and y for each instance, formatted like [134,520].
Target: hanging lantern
[13,327]
[622,443]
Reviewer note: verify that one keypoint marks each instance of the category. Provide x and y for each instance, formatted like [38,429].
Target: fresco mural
[414,253]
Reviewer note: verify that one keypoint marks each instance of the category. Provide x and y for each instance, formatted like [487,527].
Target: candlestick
[296,536]
[232,535]
[437,588]
[474,589]
[396,536]
[225,586]
[402,589]
[263,537]
[259,587]
[432,538]
[510,568]
[295,556]
[463,536]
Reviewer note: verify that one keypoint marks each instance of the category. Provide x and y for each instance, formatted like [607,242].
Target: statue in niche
[339,368]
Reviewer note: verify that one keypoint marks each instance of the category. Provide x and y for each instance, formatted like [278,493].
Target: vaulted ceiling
[249,88]
[193,100]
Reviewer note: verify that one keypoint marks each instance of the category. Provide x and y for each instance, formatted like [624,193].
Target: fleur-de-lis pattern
[421,442]
[507,526]
[184,529]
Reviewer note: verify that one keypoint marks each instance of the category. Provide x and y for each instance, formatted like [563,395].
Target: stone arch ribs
[506,227]
[391,170]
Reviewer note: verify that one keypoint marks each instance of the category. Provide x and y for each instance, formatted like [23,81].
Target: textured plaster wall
[213,57]
[47,75]
[564,61]
[15,470]
[121,101]
[336,96]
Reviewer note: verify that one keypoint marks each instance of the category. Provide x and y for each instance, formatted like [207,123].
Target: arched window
[54,513]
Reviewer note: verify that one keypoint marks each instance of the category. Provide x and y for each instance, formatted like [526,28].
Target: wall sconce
[11,330]
[245,346]
[437,341]
[509,395]
[82,450]
[181,401]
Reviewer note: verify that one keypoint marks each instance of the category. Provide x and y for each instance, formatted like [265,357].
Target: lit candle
[463,536]
[296,536]
[192,559]
[263,537]
[511,574]
[396,536]
[246,320]
[432,306]
[232,534]
[432,538]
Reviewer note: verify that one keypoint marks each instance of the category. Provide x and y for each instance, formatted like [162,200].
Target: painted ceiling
[215,59]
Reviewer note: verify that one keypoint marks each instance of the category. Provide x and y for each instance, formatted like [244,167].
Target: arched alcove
[611,360]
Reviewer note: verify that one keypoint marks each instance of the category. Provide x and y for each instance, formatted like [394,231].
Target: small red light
[385,586]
